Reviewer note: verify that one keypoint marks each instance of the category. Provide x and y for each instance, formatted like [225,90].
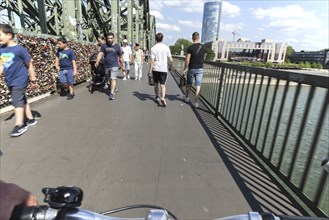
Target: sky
[304,25]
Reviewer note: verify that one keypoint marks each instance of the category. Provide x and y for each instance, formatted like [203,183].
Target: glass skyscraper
[211,20]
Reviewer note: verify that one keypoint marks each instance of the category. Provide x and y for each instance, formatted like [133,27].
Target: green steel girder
[128,19]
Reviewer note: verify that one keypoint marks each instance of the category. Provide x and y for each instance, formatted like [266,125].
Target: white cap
[125,41]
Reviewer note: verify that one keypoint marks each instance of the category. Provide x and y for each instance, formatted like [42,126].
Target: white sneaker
[124,78]
[128,76]
[196,105]
[186,99]
[163,102]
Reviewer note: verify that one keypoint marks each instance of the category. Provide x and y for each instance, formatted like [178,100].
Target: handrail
[281,115]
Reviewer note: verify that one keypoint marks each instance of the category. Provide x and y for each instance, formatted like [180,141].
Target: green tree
[289,51]
[268,64]
[175,49]
[318,66]
[210,54]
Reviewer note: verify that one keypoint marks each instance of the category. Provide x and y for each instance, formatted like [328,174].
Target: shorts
[111,72]
[127,65]
[66,76]
[197,74]
[160,77]
[18,97]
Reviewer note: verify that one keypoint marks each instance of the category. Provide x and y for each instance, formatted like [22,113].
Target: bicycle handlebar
[63,203]
[47,213]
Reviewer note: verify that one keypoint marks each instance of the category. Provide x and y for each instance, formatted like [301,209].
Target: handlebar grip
[284,217]
[23,213]
[33,213]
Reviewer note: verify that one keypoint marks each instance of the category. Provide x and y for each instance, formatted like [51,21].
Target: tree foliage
[175,49]
[301,65]
[210,54]
[289,51]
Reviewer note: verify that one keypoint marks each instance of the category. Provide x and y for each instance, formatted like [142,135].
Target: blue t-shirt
[111,55]
[65,58]
[14,60]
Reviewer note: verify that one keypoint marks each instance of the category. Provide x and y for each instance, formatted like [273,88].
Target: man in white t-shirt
[160,62]
[127,58]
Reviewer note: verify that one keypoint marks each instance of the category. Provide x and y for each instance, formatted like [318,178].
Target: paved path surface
[131,151]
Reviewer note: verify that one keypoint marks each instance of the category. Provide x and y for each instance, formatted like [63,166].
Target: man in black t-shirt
[194,67]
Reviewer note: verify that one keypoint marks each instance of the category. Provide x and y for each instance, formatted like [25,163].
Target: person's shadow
[145,97]
[35,114]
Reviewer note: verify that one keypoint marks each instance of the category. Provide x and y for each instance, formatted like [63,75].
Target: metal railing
[281,115]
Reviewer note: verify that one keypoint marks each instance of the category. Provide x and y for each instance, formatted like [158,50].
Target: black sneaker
[157,99]
[70,96]
[111,97]
[18,130]
[30,122]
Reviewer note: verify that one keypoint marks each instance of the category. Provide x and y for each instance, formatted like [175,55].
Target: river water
[265,141]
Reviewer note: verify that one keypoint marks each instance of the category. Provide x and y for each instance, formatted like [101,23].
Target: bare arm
[75,70]
[57,63]
[170,63]
[12,195]
[99,57]
[151,66]
[121,60]
[187,62]
[1,70]
[31,71]
[143,57]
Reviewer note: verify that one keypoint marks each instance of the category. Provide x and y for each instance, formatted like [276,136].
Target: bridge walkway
[132,151]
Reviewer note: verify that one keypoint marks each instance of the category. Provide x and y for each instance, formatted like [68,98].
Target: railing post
[218,103]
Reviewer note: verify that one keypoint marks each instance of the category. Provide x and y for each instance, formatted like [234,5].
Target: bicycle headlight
[63,196]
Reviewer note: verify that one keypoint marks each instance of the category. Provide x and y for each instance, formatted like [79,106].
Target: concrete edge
[30,100]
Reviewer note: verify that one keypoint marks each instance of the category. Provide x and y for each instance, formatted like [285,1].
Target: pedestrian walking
[194,67]
[16,64]
[138,61]
[100,41]
[161,61]
[112,53]
[65,62]
[127,58]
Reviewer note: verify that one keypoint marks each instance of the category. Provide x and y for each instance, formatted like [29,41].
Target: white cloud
[295,25]
[290,16]
[229,10]
[156,4]
[172,3]
[231,27]
[194,6]
[157,15]
[167,27]
[194,24]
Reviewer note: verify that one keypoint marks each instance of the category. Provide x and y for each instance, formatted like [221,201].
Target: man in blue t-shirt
[15,63]
[112,54]
[66,65]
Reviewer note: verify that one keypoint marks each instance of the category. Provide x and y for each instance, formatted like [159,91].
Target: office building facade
[211,21]
[264,51]
[321,57]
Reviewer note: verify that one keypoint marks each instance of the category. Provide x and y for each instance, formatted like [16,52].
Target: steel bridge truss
[83,20]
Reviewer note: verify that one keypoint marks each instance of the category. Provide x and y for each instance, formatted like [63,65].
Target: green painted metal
[84,19]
